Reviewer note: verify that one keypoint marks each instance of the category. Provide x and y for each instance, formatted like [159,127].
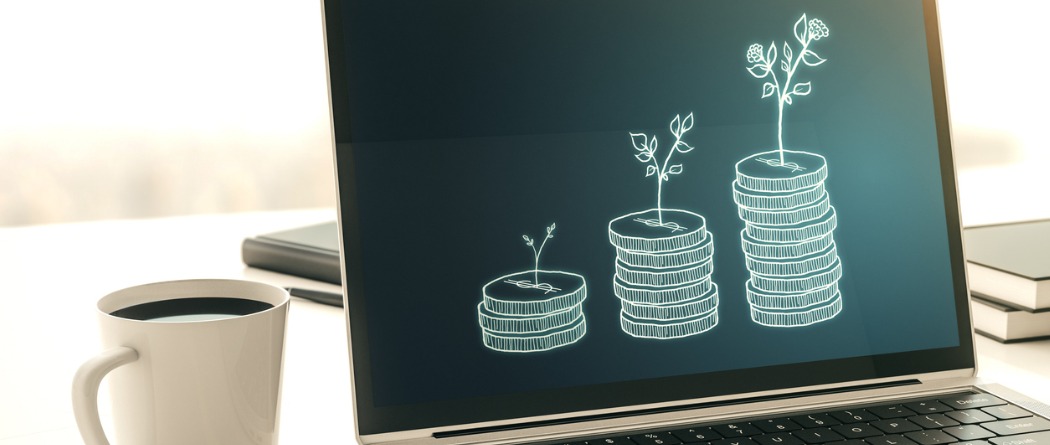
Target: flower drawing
[781,80]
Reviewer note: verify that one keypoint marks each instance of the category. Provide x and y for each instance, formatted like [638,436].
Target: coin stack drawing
[664,256]
[789,222]
[534,310]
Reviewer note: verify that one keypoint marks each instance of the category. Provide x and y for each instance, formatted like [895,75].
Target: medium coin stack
[520,314]
[788,239]
[663,274]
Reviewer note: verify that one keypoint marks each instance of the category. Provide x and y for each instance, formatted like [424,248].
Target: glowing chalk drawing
[535,310]
[664,256]
[764,60]
[789,222]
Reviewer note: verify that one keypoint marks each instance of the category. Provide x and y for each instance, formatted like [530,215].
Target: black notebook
[309,252]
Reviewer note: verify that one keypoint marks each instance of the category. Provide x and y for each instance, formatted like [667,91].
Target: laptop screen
[562,206]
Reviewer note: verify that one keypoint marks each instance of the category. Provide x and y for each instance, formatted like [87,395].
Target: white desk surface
[53,276]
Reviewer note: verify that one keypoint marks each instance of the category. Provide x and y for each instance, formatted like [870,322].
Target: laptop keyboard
[960,419]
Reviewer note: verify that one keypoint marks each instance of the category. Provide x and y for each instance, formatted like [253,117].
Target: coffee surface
[191,309]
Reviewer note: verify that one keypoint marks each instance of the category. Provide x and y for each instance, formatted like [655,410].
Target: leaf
[675,169]
[801,30]
[550,229]
[644,156]
[640,141]
[676,125]
[784,65]
[687,124]
[650,170]
[665,177]
[787,99]
[687,149]
[771,55]
[811,58]
[652,145]
[759,70]
[802,89]
[768,89]
[787,51]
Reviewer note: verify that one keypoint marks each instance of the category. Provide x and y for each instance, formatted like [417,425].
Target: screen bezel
[623,396]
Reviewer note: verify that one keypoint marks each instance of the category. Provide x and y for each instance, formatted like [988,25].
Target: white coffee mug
[189,362]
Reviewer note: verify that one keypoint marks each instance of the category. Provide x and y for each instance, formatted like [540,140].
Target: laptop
[637,222]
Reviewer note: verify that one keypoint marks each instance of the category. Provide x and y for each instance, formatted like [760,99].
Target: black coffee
[191,309]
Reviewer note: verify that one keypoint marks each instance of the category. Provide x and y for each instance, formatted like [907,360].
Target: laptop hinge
[524,425]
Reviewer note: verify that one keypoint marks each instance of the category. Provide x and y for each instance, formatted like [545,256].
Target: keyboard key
[891,411]
[694,435]
[778,439]
[776,425]
[854,416]
[967,401]
[928,407]
[815,421]
[933,421]
[931,437]
[735,441]
[655,439]
[1018,426]
[969,416]
[818,435]
[857,430]
[737,430]
[972,442]
[620,440]
[1042,438]
[969,432]
[1006,412]
[895,426]
[894,439]
[852,442]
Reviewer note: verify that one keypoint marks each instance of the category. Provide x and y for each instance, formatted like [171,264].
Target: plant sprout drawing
[664,256]
[785,85]
[536,252]
[647,148]
[533,310]
[781,195]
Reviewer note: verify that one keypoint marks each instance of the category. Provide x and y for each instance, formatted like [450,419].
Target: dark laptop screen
[553,206]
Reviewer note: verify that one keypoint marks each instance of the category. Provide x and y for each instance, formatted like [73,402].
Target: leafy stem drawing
[764,60]
[536,252]
[647,153]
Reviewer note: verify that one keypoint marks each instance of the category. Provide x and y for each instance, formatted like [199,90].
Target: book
[308,252]
[1006,323]
[1010,262]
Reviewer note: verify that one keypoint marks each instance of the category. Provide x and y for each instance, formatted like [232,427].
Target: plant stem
[782,96]
[663,174]
[536,271]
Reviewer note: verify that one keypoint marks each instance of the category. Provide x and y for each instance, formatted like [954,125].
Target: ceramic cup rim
[276,296]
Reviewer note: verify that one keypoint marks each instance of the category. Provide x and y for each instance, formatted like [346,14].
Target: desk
[53,276]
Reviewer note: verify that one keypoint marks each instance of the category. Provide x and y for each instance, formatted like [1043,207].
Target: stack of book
[1009,272]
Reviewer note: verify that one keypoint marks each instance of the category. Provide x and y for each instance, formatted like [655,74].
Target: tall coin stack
[663,274]
[788,238]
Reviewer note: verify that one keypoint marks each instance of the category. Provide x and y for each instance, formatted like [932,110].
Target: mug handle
[85,391]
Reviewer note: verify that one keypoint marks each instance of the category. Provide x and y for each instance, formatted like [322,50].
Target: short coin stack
[520,313]
[663,274]
[788,239]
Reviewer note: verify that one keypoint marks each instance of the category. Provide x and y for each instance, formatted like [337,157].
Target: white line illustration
[789,222]
[664,256]
[534,310]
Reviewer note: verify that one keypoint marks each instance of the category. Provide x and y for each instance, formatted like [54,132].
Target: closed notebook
[1011,262]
